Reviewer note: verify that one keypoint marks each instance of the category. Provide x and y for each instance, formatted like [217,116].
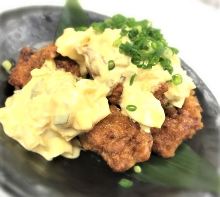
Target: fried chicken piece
[119,141]
[159,94]
[27,61]
[171,112]
[179,125]
[115,96]
[68,65]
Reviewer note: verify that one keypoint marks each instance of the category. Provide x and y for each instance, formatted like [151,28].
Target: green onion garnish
[81,28]
[147,66]
[124,32]
[117,42]
[166,64]
[136,59]
[132,79]
[99,27]
[133,33]
[111,65]
[137,169]
[7,65]
[146,43]
[131,107]
[125,183]
[174,50]
[177,79]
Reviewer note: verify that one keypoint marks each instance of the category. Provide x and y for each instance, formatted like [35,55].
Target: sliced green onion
[111,65]
[174,50]
[136,59]
[139,65]
[81,28]
[7,65]
[166,64]
[133,33]
[99,27]
[145,43]
[177,79]
[137,169]
[131,107]
[125,183]
[147,66]
[132,79]
[117,42]
[118,21]
[124,32]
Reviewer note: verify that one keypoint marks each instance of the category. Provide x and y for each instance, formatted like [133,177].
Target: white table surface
[189,25]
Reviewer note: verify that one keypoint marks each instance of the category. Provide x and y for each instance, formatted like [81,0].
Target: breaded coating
[115,96]
[119,141]
[68,65]
[159,94]
[27,61]
[179,125]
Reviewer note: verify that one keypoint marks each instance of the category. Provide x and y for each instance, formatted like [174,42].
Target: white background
[189,25]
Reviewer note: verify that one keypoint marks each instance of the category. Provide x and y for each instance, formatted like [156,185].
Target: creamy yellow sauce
[149,111]
[47,113]
[176,94]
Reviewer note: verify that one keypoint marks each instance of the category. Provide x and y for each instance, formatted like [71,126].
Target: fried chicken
[68,65]
[179,125]
[119,141]
[159,94]
[115,96]
[29,60]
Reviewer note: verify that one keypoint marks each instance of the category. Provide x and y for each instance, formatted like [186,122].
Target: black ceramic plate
[25,174]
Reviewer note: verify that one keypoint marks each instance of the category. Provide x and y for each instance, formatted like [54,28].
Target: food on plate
[116,88]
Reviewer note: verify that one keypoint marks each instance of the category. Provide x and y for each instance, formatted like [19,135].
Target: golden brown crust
[68,65]
[28,60]
[115,96]
[159,94]
[179,125]
[119,141]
